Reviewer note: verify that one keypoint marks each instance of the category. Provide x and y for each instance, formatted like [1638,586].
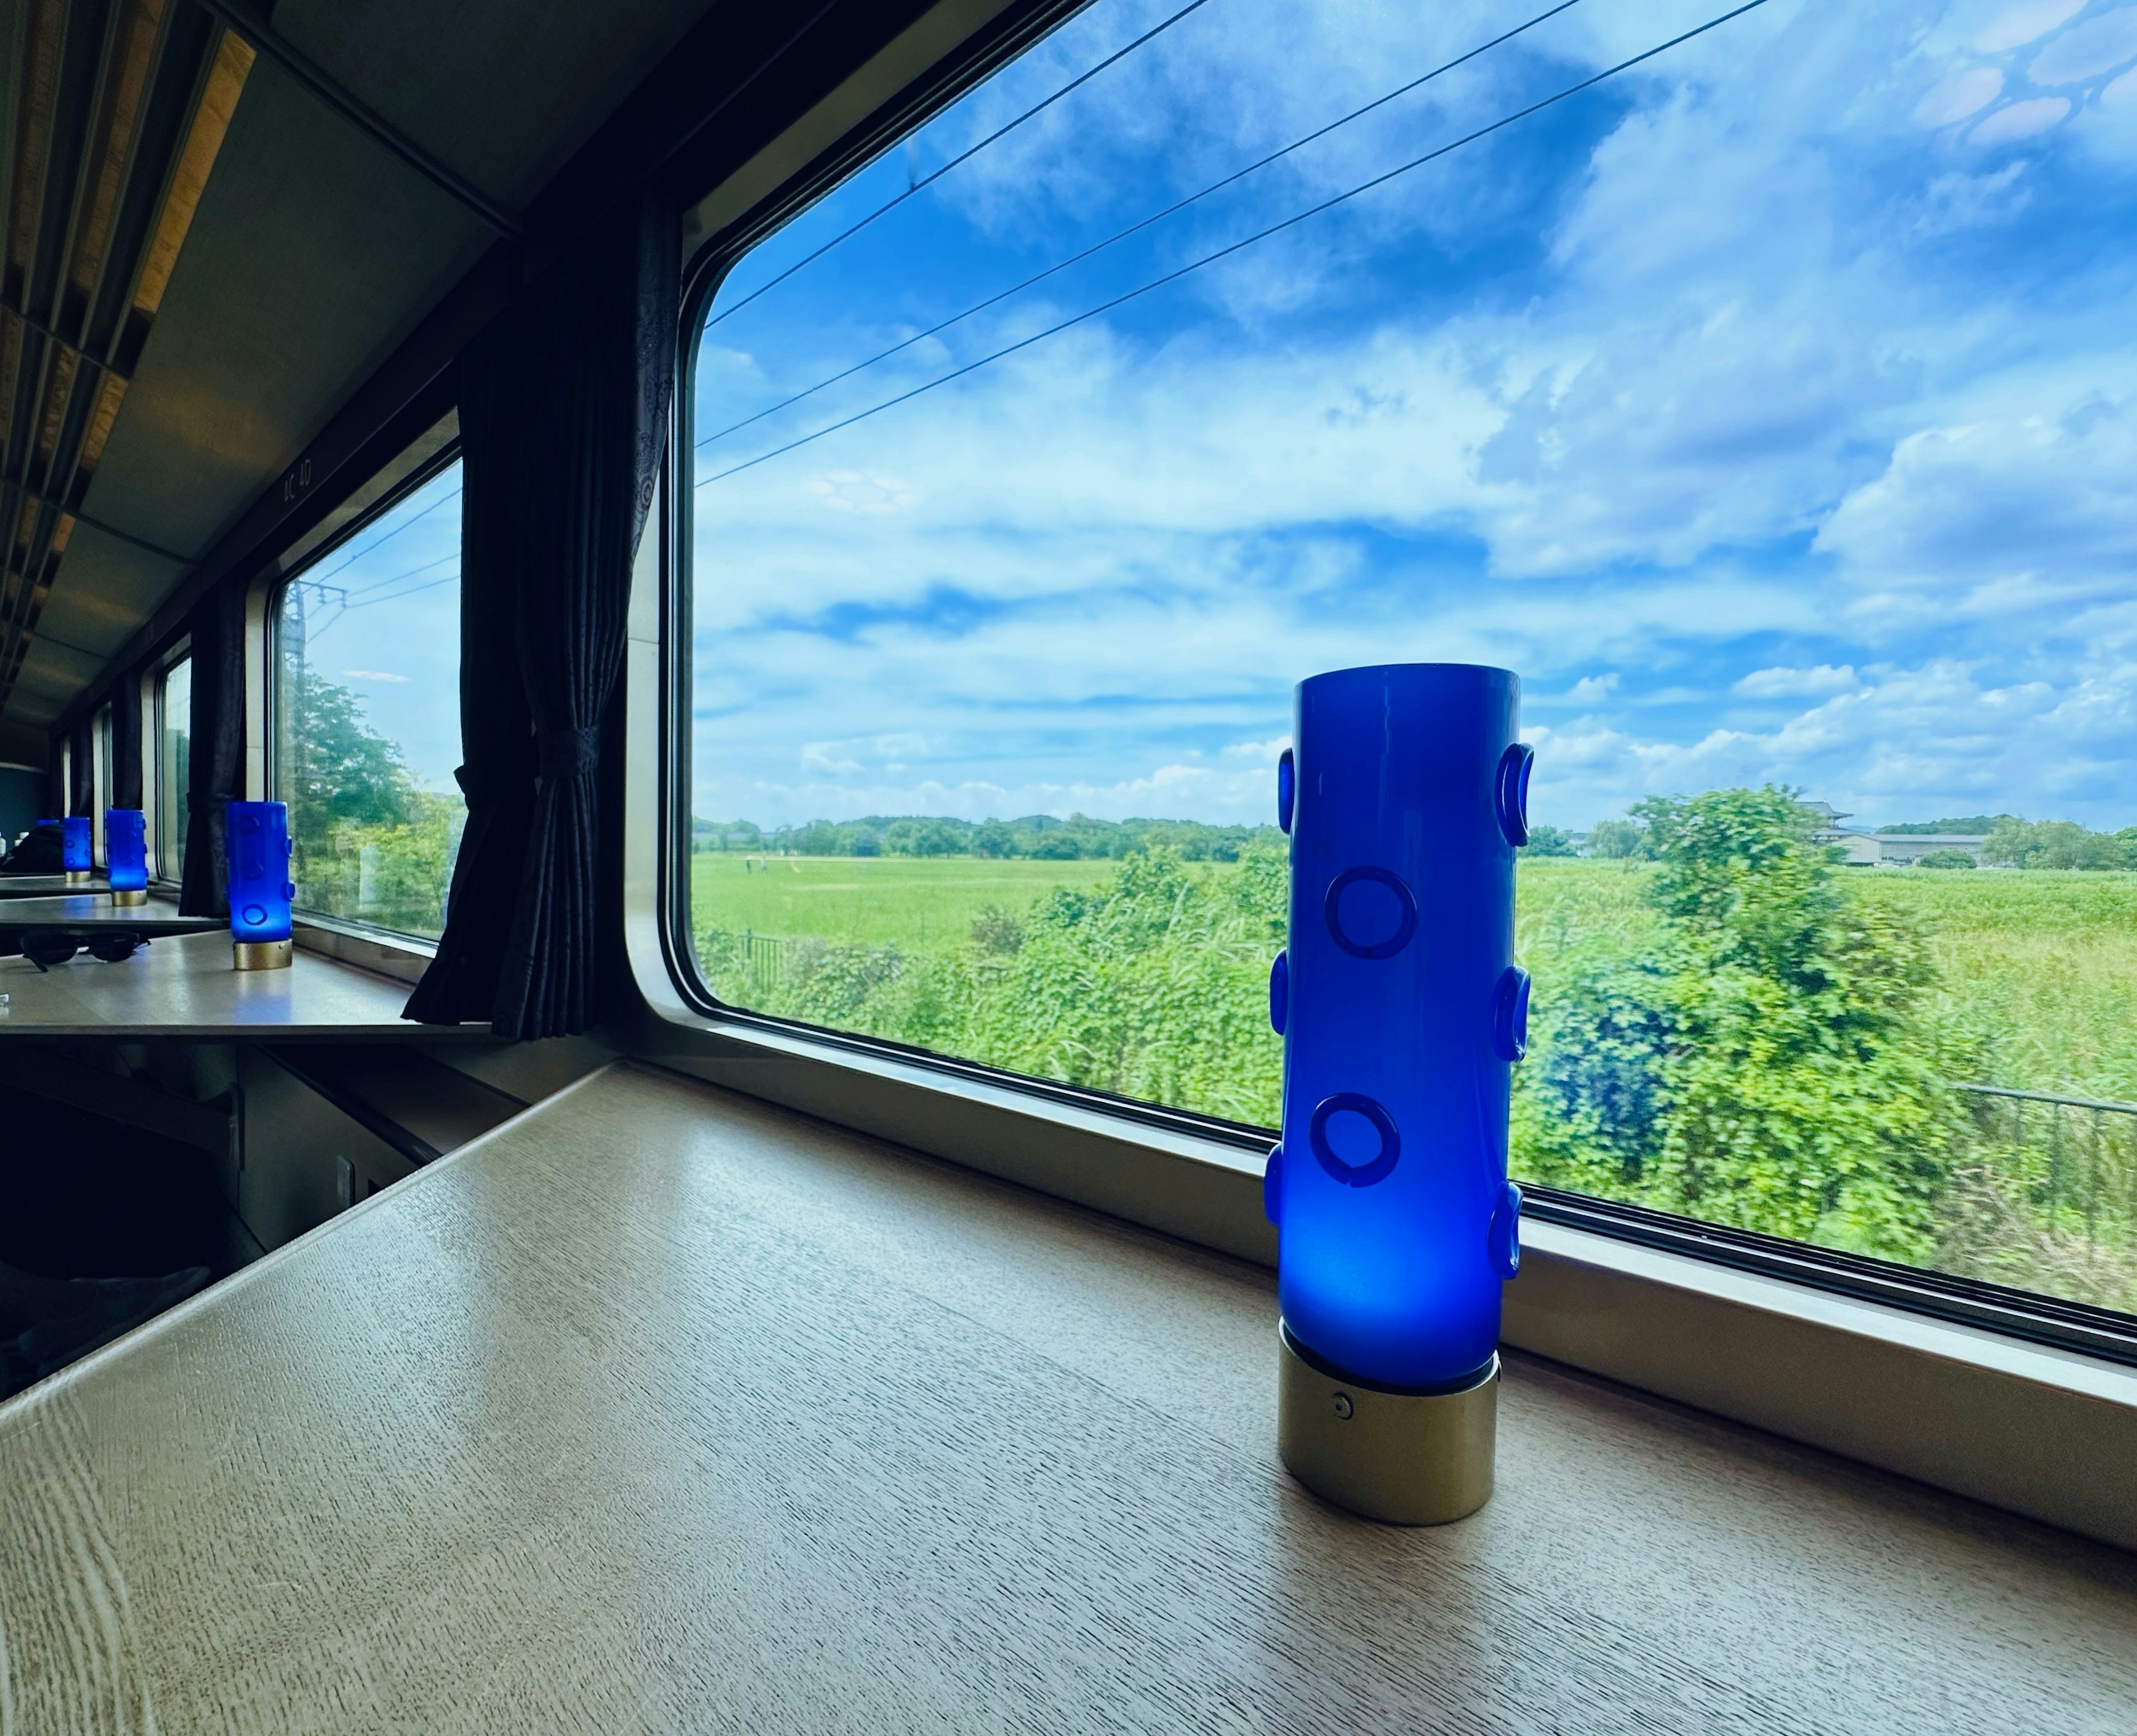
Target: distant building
[1888,849]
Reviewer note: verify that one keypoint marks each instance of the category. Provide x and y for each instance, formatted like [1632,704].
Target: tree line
[1034,837]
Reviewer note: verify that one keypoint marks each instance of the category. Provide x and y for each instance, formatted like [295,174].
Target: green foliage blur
[1728,1024]
[369,843]
[1155,985]
[2059,843]
[1770,1064]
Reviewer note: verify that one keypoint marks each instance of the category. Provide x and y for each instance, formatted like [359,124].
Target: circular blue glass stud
[1511,792]
[1502,1241]
[1353,1104]
[1510,1014]
[1370,913]
[1271,1183]
[1279,991]
[1286,788]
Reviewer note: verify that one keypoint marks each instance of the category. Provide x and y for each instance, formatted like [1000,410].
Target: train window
[100,776]
[174,723]
[366,715]
[1763,401]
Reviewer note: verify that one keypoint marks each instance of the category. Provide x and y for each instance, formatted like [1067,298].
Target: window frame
[426,458]
[100,725]
[162,800]
[2022,1315]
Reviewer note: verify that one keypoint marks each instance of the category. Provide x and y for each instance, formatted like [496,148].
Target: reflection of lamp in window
[257,837]
[77,849]
[126,855]
[1401,1010]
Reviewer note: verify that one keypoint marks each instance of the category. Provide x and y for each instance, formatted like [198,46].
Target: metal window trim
[2047,1429]
[426,458]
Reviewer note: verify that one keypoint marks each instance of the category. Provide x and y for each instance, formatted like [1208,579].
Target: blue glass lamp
[1402,1013]
[256,842]
[126,855]
[77,849]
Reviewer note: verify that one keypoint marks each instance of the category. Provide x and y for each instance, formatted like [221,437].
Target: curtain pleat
[563,426]
[215,771]
[126,742]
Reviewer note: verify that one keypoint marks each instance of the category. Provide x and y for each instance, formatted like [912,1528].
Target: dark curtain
[217,749]
[564,406]
[126,742]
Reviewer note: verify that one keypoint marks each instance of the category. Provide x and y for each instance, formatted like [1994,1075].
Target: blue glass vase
[126,850]
[257,845]
[1402,1013]
[77,845]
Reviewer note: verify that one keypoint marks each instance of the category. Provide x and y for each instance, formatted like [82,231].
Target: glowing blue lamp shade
[77,845]
[257,844]
[126,854]
[1402,1013]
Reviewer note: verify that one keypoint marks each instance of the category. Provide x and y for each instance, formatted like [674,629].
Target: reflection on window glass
[366,729]
[174,722]
[100,733]
[1766,406]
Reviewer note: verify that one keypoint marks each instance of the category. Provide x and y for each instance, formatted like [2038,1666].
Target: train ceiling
[205,258]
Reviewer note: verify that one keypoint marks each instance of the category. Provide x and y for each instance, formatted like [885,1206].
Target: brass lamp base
[79,876]
[136,895]
[263,955]
[1406,1458]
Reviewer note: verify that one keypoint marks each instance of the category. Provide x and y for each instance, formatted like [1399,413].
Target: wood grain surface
[44,886]
[661,1410]
[184,986]
[95,909]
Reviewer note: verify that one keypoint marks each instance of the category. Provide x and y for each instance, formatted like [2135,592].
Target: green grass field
[2042,965]
[914,903]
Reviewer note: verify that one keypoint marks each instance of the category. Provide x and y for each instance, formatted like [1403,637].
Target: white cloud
[859,491]
[1961,94]
[373,675]
[1777,684]
[2025,23]
[2021,120]
[1756,425]
[2083,51]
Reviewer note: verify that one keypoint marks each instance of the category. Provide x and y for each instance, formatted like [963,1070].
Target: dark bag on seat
[37,852]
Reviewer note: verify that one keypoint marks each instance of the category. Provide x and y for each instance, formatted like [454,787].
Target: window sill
[400,956]
[2044,1431]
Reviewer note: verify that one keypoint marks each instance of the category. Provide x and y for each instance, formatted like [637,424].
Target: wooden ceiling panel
[107,101]
[312,254]
[504,93]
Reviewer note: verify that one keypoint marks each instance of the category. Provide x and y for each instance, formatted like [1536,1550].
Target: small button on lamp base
[136,895]
[1404,1458]
[264,954]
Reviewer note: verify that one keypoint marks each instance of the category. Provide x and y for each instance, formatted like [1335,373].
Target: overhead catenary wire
[1138,227]
[412,572]
[914,185]
[1226,252]
[350,555]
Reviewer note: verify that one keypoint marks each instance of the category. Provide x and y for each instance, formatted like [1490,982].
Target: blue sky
[381,617]
[1771,409]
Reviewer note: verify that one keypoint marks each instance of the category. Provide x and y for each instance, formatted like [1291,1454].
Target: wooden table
[95,909]
[661,1410]
[44,886]
[185,987]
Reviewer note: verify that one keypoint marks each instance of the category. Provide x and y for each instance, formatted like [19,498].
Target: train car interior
[1068,865]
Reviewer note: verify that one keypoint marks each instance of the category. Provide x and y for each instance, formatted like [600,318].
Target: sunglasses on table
[53,947]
